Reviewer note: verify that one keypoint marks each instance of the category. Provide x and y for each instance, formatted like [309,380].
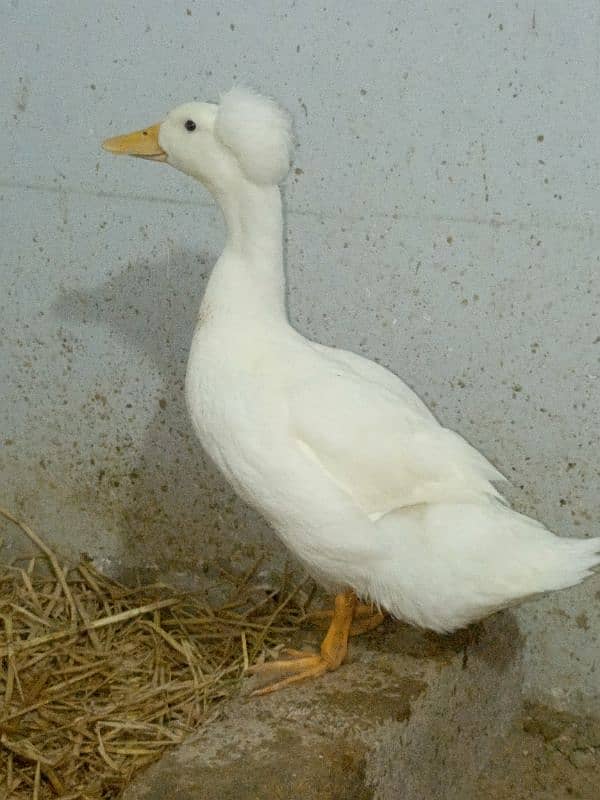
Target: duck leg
[300,665]
[366,618]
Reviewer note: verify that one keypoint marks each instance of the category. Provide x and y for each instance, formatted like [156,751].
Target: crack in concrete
[494,221]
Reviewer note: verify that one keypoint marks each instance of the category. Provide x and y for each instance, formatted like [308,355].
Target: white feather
[454,563]
[379,444]
[258,131]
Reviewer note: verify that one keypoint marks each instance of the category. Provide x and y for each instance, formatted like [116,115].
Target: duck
[385,507]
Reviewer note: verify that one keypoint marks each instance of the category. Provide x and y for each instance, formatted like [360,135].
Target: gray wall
[442,218]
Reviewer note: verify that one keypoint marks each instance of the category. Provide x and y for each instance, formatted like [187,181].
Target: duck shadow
[177,516]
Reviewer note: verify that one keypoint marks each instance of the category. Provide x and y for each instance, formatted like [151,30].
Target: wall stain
[22,95]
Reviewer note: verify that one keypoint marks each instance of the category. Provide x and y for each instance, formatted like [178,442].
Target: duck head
[245,137]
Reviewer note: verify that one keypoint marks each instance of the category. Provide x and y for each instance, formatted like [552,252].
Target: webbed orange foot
[300,665]
[286,671]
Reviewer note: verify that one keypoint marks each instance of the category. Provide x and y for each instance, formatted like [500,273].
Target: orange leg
[300,665]
[366,618]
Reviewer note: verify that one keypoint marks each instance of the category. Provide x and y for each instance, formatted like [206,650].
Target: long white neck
[248,279]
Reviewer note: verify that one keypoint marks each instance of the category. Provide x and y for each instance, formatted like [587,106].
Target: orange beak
[143,144]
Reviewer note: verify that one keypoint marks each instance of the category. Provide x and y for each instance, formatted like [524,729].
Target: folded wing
[377,441]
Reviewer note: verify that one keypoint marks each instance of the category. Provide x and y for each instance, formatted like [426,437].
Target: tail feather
[581,560]
[448,565]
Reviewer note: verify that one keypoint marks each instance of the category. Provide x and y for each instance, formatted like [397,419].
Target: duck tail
[581,559]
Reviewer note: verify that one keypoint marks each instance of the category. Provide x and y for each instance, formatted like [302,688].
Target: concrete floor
[546,756]
[411,715]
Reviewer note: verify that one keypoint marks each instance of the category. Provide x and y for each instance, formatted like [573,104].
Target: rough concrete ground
[411,715]
[547,756]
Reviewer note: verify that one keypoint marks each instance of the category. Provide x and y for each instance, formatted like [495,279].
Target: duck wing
[377,441]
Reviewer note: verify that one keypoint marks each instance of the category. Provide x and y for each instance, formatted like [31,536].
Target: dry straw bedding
[97,678]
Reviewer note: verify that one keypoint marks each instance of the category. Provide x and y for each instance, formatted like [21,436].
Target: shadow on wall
[176,513]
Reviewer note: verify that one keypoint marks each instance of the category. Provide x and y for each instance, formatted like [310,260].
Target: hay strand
[97,679]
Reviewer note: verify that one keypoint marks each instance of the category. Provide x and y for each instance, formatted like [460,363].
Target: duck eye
[190,125]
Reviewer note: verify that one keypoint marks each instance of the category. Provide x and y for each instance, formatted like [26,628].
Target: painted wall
[441,218]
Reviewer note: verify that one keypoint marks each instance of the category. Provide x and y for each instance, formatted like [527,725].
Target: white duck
[357,477]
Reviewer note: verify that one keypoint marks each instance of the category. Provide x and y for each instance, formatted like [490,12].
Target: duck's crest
[258,131]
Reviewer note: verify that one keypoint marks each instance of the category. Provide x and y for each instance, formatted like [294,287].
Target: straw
[98,679]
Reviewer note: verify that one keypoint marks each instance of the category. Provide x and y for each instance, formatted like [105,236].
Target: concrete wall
[442,218]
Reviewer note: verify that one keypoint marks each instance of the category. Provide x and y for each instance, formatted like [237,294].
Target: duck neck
[248,279]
